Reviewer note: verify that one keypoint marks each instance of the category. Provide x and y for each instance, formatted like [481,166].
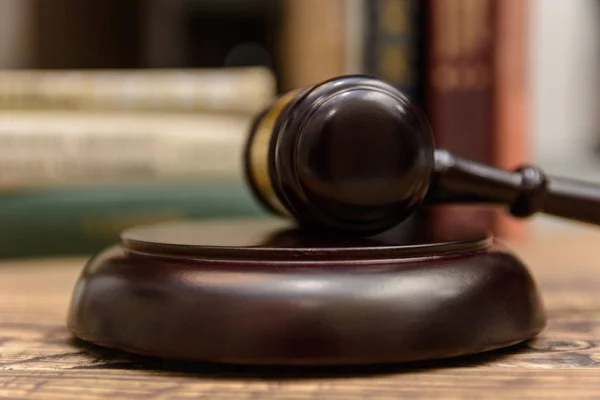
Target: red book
[475,89]
[511,93]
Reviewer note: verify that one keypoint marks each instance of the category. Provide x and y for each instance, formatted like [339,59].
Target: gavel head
[351,153]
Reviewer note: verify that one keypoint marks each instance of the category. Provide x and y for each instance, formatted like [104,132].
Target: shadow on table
[103,358]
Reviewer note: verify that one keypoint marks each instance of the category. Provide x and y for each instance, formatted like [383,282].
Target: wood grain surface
[40,359]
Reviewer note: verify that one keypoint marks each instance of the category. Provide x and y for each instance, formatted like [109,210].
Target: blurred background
[120,112]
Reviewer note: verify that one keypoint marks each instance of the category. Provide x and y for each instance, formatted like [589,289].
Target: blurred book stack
[87,153]
[119,113]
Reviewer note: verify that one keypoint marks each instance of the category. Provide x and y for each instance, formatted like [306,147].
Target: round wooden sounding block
[262,292]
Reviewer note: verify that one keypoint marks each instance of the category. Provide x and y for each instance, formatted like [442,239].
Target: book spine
[313,41]
[460,97]
[512,108]
[84,219]
[16,39]
[244,90]
[56,148]
[392,37]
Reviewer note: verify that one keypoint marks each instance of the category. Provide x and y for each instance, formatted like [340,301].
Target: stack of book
[85,154]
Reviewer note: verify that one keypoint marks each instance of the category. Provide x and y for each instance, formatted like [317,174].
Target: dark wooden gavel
[354,154]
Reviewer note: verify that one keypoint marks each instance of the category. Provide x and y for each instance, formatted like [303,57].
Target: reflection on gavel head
[351,153]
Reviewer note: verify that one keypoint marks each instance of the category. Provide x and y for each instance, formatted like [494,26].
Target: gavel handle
[525,191]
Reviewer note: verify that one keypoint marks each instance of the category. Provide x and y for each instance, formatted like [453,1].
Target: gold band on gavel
[259,153]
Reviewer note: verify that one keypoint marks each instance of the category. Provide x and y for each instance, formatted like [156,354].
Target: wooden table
[40,359]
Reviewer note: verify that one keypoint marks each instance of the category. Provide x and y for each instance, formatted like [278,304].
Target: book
[242,90]
[50,148]
[83,219]
[512,107]
[392,37]
[475,89]
[15,34]
[392,44]
[313,41]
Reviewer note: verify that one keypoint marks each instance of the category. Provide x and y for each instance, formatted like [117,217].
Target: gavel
[354,154]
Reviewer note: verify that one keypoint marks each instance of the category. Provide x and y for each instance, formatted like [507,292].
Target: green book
[81,220]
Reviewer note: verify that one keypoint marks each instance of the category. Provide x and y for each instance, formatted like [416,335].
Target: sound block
[263,292]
